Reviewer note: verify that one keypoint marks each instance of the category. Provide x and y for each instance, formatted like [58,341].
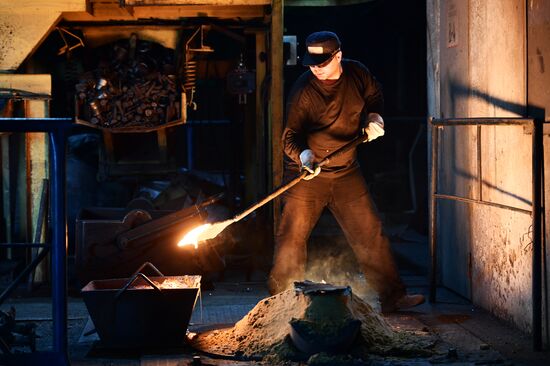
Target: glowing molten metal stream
[191,238]
[204,232]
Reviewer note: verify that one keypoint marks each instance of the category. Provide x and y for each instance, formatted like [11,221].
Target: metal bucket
[142,311]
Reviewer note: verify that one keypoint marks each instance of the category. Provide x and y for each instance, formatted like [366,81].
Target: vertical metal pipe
[59,245]
[189,140]
[433,210]
[537,236]
[479,167]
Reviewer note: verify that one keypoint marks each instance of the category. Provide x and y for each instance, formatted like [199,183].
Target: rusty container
[142,311]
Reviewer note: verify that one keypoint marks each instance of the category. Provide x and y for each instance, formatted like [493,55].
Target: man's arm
[374,107]
[294,134]
[293,144]
[374,97]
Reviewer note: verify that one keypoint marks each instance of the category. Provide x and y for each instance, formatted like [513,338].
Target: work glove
[375,127]
[307,158]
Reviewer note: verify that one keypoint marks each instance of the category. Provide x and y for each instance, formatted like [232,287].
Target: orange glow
[192,237]
[204,232]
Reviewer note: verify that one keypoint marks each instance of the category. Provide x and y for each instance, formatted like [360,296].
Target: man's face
[329,69]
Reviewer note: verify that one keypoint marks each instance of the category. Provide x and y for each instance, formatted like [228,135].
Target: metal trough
[142,311]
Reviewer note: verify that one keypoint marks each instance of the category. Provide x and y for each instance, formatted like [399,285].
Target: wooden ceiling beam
[192,2]
[112,12]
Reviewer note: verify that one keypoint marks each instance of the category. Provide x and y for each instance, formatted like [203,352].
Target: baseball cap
[320,46]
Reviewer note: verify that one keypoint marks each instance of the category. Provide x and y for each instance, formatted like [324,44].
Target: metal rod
[358,140]
[40,222]
[41,211]
[487,203]
[339,152]
[538,212]
[271,196]
[35,124]
[23,274]
[24,245]
[151,265]
[537,235]
[544,249]
[481,121]
[433,213]
[59,245]
[479,167]
[132,280]
[412,184]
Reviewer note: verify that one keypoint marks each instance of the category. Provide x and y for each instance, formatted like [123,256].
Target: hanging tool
[191,63]
[210,231]
[67,48]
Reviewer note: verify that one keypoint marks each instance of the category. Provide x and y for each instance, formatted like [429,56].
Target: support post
[276,121]
[537,235]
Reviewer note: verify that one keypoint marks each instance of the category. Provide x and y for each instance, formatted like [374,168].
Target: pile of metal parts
[13,334]
[134,85]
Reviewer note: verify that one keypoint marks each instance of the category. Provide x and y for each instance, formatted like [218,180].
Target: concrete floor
[467,335]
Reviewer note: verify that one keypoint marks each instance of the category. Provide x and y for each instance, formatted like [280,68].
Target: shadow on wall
[459,91]
[467,175]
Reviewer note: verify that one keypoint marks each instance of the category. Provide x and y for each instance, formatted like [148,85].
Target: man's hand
[307,158]
[375,127]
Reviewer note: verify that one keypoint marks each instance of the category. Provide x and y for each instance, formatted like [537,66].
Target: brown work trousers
[348,199]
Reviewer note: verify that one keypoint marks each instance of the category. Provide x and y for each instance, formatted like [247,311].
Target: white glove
[375,127]
[307,158]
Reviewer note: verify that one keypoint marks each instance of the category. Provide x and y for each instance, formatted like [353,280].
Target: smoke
[339,268]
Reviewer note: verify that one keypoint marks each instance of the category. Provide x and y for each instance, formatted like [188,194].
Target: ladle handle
[148,264]
[119,292]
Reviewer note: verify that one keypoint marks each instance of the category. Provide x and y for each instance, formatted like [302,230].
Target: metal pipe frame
[536,279]
[443,122]
[21,245]
[7,292]
[57,129]
[481,202]
[536,213]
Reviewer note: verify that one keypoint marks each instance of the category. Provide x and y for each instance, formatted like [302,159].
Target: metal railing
[535,212]
[57,129]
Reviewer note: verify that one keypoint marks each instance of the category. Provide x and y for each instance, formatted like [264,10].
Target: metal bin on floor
[142,311]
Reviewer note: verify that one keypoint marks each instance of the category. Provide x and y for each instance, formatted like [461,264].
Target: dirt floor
[464,334]
[460,333]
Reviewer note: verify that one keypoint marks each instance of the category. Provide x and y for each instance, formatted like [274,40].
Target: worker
[329,105]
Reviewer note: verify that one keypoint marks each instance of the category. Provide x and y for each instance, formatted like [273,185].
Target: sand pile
[264,332]
[259,331]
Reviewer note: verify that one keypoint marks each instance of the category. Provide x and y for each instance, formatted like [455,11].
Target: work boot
[404,302]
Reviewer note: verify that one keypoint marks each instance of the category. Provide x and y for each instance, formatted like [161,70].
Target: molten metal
[204,232]
[191,238]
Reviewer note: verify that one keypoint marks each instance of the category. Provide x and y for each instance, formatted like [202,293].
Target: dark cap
[320,46]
